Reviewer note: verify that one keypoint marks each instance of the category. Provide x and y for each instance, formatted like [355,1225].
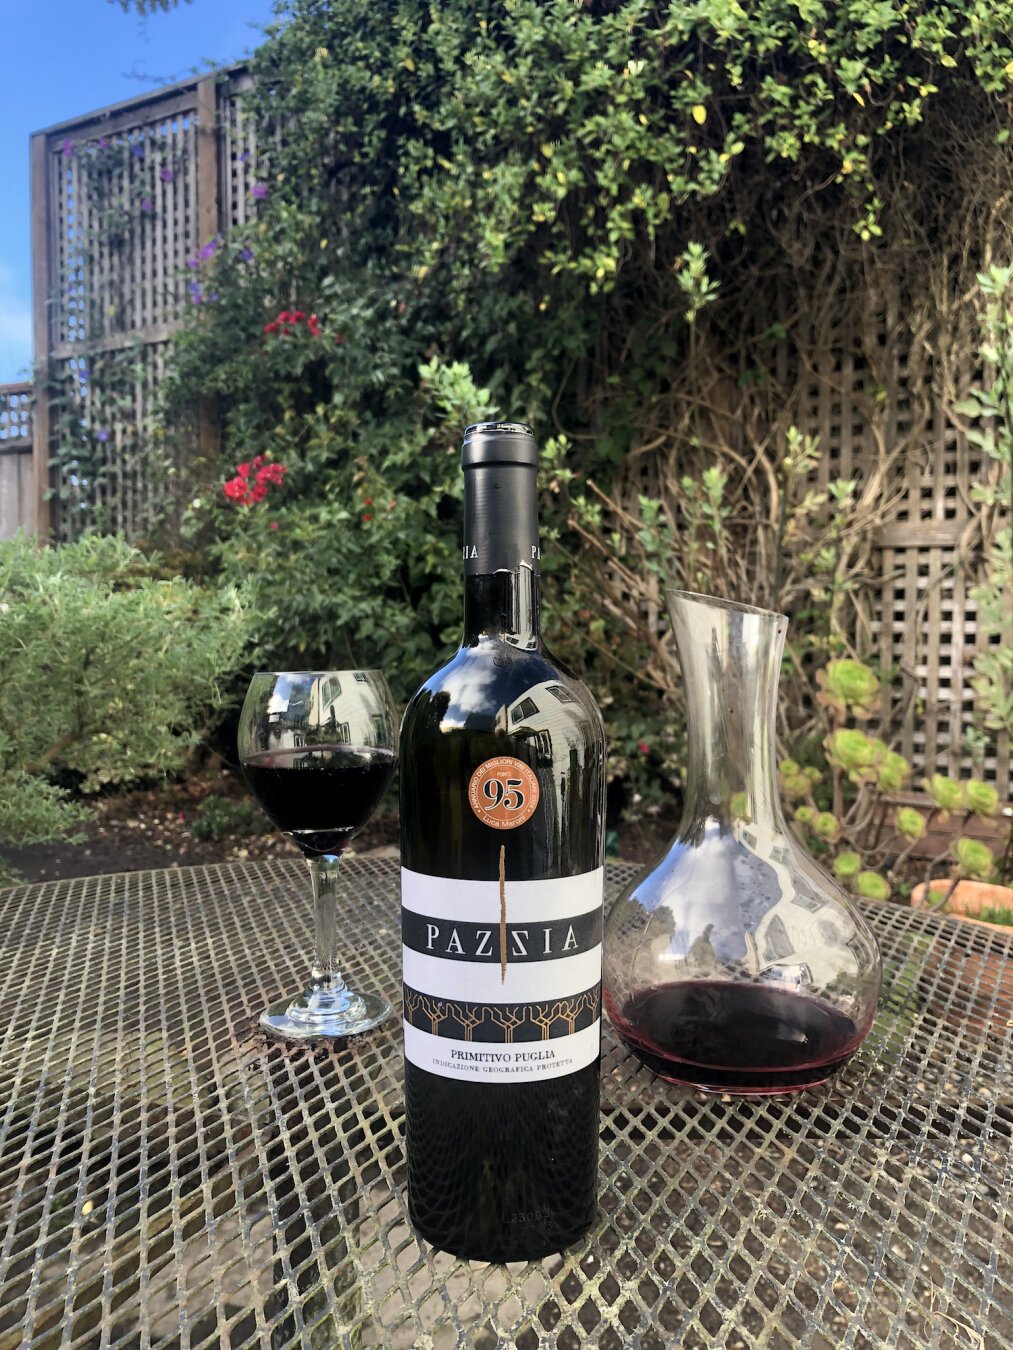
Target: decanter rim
[717,602]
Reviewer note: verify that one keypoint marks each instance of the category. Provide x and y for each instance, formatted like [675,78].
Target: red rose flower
[236,490]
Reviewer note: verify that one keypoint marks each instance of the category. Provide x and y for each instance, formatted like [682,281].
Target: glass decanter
[735,963]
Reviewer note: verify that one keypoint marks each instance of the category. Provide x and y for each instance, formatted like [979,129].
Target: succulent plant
[854,752]
[848,687]
[946,793]
[974,858]
[827,826]
[981,797]
[872,886]
[847,865]
[794,784]
[909,822]
[892,772]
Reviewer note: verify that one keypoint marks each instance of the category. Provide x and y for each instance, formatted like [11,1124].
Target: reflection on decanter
[735,962]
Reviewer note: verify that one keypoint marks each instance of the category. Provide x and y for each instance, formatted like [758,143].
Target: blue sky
[61,58]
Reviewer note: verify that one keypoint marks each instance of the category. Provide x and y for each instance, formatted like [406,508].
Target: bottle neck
[501,554]
[503,605]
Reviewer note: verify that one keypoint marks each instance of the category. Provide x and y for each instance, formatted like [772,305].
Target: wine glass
[318,750]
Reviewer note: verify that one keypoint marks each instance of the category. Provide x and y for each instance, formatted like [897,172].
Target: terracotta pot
[969,898]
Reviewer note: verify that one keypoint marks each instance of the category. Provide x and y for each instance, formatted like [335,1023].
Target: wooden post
[208,225]
[42,282]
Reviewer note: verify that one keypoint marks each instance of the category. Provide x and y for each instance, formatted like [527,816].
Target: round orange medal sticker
[503,792]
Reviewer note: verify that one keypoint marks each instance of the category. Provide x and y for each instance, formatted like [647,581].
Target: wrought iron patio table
[168,1177]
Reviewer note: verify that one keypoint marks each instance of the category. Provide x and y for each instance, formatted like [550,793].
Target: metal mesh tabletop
[169,1178]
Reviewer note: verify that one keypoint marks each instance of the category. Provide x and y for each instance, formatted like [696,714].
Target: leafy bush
[107,674]
[220,817]
[352,559]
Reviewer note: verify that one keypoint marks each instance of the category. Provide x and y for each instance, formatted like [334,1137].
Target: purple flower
[146,204]
[82,372]
[244,158]
[165,175]
[259,191]
[212,297]
[208,250]
[246,254]
[196,295]
[102,435]
[193,262]
[103,144]
[67,149]
[137,148]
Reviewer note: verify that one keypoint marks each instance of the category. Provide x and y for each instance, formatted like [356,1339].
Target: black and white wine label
[502,979]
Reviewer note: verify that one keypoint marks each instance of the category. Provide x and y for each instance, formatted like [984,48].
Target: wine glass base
[300,1021]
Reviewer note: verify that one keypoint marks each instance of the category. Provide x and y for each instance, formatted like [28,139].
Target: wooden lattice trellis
[868,402]
[923,620]
[122,198]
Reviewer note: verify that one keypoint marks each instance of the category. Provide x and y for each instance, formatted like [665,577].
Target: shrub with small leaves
[107,675]
[221,817]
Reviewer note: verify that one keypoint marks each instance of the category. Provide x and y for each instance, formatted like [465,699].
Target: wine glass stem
[325,974]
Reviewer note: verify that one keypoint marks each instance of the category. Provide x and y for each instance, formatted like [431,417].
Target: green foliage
[848,687]
[990,411]
[106,675]
[827,826]
[581,201]
[352,560]
[872,886]
[847,865]
[221,817]
[975,859]
[981,798]
[145,7]
[996,914]
[946,793]
[854,752]
[856,830]
[909,822]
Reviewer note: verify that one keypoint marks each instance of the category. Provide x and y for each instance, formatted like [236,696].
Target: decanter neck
[730,656]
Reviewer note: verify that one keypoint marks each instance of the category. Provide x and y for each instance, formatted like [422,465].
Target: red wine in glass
[320,795]
[318,750]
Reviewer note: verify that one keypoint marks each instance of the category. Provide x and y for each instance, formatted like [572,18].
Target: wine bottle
[502,847]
